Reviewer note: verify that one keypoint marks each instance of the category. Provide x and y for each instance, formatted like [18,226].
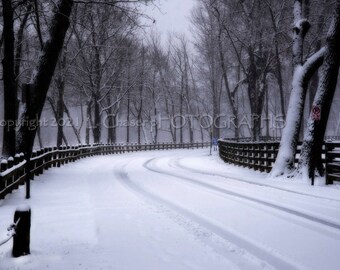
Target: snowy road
[174,210]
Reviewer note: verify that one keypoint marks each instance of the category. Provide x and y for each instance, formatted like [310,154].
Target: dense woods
[96,73]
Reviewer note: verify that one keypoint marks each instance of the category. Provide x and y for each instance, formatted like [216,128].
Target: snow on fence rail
[274,139]
[261,156]
[13,174]
[254,155]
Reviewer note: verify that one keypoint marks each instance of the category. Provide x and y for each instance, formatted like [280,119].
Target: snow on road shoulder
[212,164]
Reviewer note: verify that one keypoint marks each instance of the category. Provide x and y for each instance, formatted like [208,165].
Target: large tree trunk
[302,73]
[312,144]
[10,94]
[42,77]
[285,159]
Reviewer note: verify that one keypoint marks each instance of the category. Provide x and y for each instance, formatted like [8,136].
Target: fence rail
[258,156]
[261,156]
[13,170]
[273,139]
[332,162]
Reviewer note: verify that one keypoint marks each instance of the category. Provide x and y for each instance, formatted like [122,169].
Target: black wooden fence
[332,161]
[261,156]
[274,139]
[13,170]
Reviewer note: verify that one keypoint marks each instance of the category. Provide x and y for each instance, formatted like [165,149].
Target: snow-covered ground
[174,210]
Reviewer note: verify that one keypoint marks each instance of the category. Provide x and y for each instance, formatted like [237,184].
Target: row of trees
[250,46]
[88,64]
[126,87]
[95,67]
[48,45]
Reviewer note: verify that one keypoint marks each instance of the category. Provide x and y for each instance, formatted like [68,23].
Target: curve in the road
[269,256]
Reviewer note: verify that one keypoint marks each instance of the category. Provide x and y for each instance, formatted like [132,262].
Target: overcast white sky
[172,16]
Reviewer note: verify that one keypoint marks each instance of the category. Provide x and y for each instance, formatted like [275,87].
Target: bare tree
[45,69]
[207,45]
[51,32]
[311,149]
[303,71]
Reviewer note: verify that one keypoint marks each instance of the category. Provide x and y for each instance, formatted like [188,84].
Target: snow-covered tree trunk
[43,75]
[302,73]
[312,144]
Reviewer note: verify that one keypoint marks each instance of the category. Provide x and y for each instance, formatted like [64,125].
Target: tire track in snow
[197,171]
[175,163]
[263,253]
[223,191]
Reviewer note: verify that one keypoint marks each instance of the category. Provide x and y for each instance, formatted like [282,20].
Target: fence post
[22,157]
[10,161]
[33,164]
[3,167]
[41,160]
[16,159]
[21,239]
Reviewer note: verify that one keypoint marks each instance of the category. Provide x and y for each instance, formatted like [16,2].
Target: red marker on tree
[316,113]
